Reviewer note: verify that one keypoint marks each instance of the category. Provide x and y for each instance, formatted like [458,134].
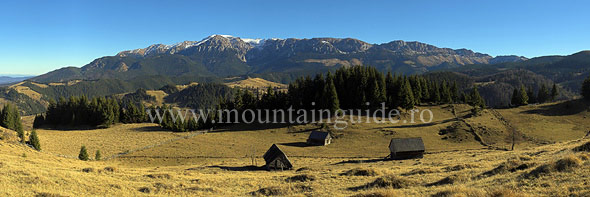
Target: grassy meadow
[550,158]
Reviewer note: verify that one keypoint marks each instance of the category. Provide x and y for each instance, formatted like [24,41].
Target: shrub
[83,154]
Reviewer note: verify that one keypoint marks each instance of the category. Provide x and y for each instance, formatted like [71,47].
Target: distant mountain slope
[568,71]
[222,55]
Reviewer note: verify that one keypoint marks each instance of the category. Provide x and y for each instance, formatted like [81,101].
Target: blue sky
[40,36]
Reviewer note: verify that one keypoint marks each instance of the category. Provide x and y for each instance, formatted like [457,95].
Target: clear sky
[40,36]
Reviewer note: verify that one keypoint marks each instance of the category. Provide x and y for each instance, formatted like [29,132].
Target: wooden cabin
[406,148]
[319,138]
[276,159]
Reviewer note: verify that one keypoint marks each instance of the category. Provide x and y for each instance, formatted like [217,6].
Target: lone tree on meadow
[83,154]
[34,140]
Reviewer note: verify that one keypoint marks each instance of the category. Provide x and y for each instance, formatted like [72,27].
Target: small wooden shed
[406,148]
[319,138]
[276,159]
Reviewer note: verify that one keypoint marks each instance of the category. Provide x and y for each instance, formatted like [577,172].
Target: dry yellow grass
[28,92]
[117,139]
[219,163]
[159,95]
[182,87]
[255,83]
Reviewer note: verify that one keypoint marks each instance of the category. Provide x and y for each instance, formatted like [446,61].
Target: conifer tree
[34,140]
[406,95]
[554,92]
[455,92]
[532,96]
[446,96]
[476,99]
[83,154]
[523,97]
[543,94]
[331,96]
[39,121]
[515,101]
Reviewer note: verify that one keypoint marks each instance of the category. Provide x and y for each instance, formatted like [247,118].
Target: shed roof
[273,152]
[319,135]
[406,145]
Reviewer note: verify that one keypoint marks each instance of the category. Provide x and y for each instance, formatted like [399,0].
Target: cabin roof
[406,145]
[273,152]
[319,135]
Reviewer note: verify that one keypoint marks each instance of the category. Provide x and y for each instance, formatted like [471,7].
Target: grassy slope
[216,163]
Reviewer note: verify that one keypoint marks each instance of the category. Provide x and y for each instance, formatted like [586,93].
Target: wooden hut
[319,138]
[276,159]
[406,148]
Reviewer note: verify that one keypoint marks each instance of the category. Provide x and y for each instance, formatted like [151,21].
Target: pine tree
[406,95]
[523,97]
[83,154]
[97,156]
[543,94]
[532,96]
[446,96]
[455,92]
[330,95]
[586,88]
[39,121]
[476,101]
[34,140]
[554,92]
[10,119]
[515,101]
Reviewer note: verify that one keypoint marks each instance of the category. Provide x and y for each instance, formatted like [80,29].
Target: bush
[83,154]
[34,141]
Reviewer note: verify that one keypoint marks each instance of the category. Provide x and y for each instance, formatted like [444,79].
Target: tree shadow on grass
[297,144]
[561,109]
[362,161]
[149,129]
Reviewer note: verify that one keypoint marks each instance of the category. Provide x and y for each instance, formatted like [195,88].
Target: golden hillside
[469,160]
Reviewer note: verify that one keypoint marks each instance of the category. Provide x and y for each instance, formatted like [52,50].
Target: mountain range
[223,59]
[223,56]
